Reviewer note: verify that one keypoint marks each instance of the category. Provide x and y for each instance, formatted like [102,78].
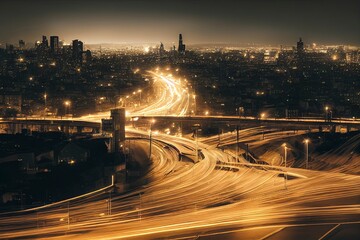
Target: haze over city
[139,21]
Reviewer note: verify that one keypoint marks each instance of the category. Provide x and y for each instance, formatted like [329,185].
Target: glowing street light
[328,114]
[285,159]
[67,104]
[306,141]
[45,98]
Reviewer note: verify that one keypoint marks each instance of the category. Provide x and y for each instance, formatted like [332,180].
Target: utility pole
[150,137]
[196,128]
[197,145]
[237,143]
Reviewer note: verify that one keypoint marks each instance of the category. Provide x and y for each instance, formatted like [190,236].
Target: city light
[179,120]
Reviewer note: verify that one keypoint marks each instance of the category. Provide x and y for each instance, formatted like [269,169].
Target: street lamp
[306,141]
[285,158]
[240,111]
[140,91]
[196,128]
[194,96]
[45,97]
[327,114]
[285,152]
[67,105]
[150,137]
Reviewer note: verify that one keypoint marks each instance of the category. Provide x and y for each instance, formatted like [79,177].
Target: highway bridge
[76,125]
[348,122]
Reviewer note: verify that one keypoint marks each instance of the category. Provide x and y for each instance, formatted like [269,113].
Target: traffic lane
[313,232]
[346,231]
[216,234]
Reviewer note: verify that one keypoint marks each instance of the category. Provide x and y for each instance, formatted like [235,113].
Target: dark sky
[200,21]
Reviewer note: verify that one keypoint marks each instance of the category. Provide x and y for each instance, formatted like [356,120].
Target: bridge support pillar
[333,129]
[79,129]
[18,128]
[118,123]
[95,130]
[65,129]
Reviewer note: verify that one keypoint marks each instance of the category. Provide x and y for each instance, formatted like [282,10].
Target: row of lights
[306,141]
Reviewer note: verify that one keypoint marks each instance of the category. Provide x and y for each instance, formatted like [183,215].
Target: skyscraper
[21,44]
[181,47]
[300,46]
[161,50]
[77,49]
[45,42]
[54,44]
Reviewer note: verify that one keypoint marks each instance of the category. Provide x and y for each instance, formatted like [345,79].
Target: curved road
[187,200]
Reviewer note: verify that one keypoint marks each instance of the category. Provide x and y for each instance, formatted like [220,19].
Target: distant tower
[21,44]
[54,44]
[45,42]
[77,49]
[300,46]
[161,49]
[181,48]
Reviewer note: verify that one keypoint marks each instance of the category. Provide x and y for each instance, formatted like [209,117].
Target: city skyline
[201,22]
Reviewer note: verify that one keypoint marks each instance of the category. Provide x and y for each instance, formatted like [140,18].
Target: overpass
[66,125]
[73,125]
[348,123]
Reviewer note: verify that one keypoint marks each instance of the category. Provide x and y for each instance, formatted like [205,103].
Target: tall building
[54,44]
[300,46]
[161,49]
[181,47]
[45,42]
[21,44]
[77,49]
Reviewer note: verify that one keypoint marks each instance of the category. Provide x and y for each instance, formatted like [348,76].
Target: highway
[215,198]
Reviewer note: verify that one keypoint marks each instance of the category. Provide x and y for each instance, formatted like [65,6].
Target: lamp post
[326,113]
[126,99]
[285,159]
[140,91]
[196,128]
[45,97]
[240,111]
[194,96]
[307,153]
[150,138]
[67,105]
[237,143]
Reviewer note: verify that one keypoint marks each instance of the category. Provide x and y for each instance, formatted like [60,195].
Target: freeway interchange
[220,196]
